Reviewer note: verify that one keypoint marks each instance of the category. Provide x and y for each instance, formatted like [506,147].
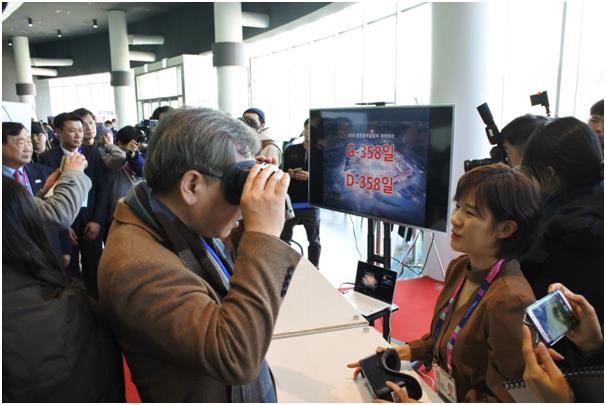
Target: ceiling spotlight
[10,43]
[59,33]
[30,22]
[95,25]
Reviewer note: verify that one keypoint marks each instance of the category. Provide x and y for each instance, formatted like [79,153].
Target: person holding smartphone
[474,341]
[541,374]
[565,158]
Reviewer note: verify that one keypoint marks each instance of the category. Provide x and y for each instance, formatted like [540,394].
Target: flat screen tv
[388,163]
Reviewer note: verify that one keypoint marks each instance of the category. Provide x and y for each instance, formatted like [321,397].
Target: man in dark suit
[85,233]
[16,155]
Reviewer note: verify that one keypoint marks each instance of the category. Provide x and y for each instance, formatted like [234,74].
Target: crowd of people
[115,244]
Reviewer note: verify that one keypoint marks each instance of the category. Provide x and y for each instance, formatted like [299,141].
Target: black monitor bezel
[447,194]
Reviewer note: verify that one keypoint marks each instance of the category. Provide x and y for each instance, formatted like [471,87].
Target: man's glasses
[205,173]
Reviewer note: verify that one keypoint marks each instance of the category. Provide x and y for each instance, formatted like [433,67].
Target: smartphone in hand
[552,316]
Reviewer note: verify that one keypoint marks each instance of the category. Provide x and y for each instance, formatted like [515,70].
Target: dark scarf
[188,246]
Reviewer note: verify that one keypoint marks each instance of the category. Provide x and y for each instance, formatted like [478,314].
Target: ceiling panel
[73,19]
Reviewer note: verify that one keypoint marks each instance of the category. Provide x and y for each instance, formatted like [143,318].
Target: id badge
[446,385]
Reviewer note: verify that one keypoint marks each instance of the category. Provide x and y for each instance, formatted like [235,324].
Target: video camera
[497,153]
[542,99]
[147,128]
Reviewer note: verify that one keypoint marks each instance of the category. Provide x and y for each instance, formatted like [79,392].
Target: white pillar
[25,83]
[122,78]
[460,75]
[228,58]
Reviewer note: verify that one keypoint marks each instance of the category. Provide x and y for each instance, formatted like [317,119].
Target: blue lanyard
[216,257]
[474,304]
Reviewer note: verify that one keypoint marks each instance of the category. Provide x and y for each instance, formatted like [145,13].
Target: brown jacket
[181,343]
[488,349]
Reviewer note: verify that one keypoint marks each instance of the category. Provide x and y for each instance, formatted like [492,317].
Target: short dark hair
[507,194]
[63,117]
[597,108]
[107,122]
[37,128]
[127,134]
[519,130]
[11,129]
[570,147]
[160,110]
[82,112]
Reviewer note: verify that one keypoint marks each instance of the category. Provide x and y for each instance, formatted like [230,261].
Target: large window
[381,51]
[93,92]
[159,88]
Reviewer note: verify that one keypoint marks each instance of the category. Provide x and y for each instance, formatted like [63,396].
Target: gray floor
[343,238]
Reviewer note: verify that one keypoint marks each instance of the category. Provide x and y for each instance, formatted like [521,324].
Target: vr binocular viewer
[235,177]
[385,366]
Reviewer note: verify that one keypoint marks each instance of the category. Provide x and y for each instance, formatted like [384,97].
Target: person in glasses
[195,323]
[475,337]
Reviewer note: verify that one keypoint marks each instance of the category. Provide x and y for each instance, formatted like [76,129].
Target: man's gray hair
[195,138]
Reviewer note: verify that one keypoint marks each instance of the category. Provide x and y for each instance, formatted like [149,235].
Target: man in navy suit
[16,155]
[85,233]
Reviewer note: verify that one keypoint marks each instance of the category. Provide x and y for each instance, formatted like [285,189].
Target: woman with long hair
[565,158]
[54,348]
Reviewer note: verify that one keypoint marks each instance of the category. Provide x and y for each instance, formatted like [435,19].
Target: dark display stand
[385,259]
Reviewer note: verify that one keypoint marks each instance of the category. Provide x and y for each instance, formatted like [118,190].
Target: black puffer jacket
[569,248]
[54,347]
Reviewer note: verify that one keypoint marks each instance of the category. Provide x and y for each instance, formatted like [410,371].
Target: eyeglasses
[205,173]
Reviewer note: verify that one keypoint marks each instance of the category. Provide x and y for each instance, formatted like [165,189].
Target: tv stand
[374,257]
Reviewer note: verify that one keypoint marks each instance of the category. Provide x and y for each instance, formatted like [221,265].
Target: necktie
[18,177]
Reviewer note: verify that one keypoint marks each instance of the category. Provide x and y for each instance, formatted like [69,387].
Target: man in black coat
[296,164]
[85,233]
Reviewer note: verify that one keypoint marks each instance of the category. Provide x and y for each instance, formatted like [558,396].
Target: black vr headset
[235,177]
[385,366]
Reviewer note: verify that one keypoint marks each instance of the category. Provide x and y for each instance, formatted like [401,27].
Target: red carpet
[416,298]
[131,391]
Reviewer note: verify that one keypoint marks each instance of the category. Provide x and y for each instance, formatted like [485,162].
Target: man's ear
[506,228]
[188,185]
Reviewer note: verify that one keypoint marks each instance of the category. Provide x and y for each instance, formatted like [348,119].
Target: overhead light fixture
[10,42]
[30,22]
[95,25]
[59,33]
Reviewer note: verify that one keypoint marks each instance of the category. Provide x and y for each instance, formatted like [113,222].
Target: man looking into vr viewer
[195,325]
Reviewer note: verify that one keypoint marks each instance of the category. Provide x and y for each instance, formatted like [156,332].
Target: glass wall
[159,88]
[93,92]
[381,51]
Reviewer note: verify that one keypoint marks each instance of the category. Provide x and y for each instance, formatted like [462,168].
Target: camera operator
[516,134]
[113,156]
[565,158]
[129,173]
[193,326]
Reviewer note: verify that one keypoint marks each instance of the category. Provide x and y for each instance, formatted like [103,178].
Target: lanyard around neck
[216,258]
[448,307]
